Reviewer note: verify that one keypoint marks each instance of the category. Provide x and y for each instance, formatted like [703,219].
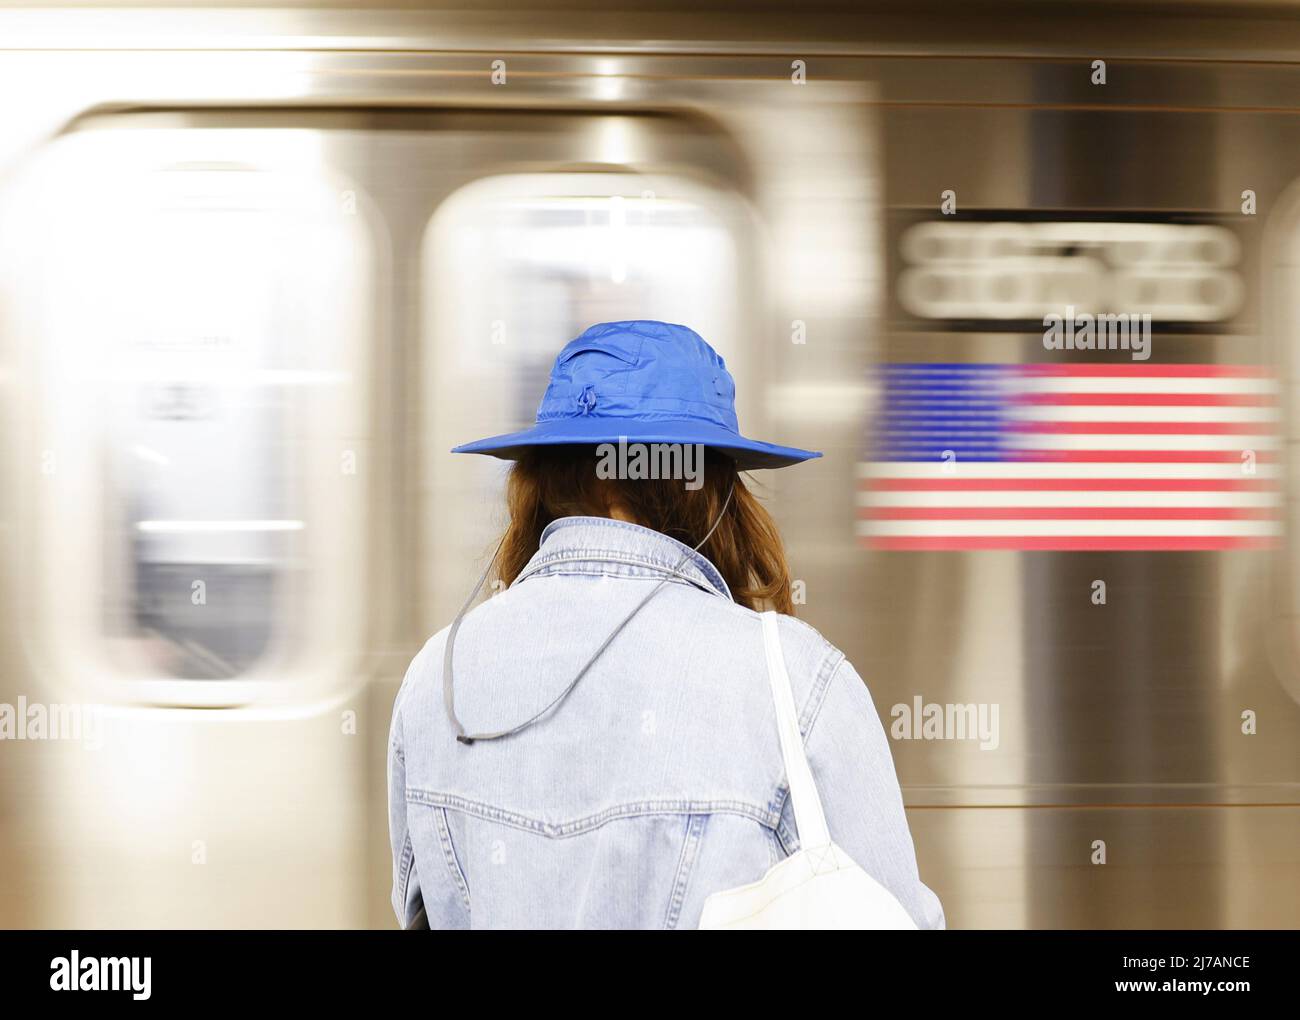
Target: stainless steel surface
[260,799]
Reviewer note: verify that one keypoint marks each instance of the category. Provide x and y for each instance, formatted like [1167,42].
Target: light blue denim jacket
[657,782]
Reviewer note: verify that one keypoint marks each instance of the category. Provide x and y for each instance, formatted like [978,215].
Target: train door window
[515,266]
[196,303]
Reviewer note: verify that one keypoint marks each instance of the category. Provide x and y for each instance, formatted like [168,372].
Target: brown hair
[548,482]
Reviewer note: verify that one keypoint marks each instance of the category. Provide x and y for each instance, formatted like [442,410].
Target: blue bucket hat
[643,382]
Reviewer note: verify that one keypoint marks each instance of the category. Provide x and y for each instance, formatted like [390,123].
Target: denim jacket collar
[602,545]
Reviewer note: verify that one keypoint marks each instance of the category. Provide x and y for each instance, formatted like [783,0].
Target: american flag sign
[1070,457]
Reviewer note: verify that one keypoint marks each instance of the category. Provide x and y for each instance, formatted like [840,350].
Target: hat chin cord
[448,684]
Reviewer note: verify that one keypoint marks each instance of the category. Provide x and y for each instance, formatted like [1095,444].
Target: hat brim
[749,454]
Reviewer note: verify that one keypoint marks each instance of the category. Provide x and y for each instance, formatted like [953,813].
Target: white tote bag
[819,886]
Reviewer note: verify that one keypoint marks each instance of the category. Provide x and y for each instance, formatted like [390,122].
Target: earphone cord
[448,696]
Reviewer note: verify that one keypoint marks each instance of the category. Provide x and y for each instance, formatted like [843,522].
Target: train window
[516,266]
[194,341]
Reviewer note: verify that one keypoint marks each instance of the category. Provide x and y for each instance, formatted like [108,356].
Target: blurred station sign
[1005,270]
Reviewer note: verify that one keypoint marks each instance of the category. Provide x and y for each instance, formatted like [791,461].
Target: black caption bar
[146,970]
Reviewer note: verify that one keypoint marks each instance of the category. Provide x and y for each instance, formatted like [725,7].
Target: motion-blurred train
[260,270]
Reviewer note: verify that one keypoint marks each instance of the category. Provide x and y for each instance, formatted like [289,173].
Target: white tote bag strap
[808,816]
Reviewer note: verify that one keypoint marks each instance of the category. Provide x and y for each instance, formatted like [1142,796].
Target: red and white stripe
[1104,457]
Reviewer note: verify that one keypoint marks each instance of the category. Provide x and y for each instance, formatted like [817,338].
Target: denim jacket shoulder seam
[830,665]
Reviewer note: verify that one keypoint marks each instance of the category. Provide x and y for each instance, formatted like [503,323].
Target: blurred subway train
[261,269]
